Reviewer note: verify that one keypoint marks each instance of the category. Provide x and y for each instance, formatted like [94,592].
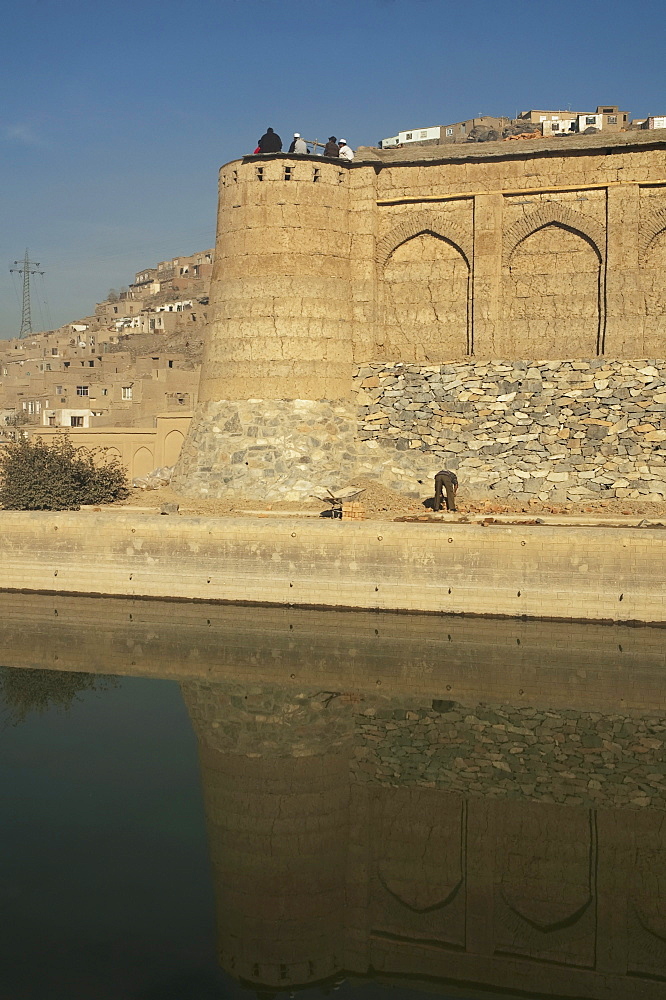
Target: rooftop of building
[508,148]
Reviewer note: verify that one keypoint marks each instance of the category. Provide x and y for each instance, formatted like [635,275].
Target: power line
[26,267]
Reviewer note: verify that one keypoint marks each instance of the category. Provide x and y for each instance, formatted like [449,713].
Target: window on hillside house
[82,390]
[76,421]
[590,120]
[612,119]
[126,392]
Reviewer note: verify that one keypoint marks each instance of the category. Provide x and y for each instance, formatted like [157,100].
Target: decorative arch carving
[553,214]
[650,230]
[438,224]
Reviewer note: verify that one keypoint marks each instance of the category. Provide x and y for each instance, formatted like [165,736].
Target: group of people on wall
[271,142]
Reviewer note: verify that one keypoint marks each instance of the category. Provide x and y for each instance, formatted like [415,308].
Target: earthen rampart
[552,253]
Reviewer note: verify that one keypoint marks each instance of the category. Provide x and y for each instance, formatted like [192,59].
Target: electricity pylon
[26,267]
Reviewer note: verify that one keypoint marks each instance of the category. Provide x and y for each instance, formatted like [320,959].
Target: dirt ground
[381,503]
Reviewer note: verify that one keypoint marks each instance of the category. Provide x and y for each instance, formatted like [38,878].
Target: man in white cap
[298,144]
[346,152]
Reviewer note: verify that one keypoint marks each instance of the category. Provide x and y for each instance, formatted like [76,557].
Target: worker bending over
[445,481]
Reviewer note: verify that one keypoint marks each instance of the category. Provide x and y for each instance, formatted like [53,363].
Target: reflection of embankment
[540,664]
[330,856]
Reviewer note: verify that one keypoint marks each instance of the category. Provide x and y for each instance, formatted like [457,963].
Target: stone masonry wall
[505,751]
[556,430]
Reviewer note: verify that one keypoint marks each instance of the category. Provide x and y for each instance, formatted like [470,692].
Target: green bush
[35,475]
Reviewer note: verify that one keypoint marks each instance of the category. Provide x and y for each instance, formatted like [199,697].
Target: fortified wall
[495,309]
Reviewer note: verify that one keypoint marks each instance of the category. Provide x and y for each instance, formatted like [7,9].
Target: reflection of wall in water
[317,873]
[275,774]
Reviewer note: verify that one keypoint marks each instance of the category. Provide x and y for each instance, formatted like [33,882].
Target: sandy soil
[384,504]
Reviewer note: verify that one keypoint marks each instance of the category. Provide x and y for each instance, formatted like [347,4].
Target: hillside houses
[136,356]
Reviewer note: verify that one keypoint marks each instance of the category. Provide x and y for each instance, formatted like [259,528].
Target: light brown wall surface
[540,571]
[548,249]
[140,449]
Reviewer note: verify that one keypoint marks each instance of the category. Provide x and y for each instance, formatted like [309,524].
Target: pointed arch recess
[550,214]
[650,230]
[424,222]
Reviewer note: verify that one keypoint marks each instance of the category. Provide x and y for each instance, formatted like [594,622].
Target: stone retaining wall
[557,430]
[534,570]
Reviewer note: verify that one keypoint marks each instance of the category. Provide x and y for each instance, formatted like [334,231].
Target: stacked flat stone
[566,756]
[555,430]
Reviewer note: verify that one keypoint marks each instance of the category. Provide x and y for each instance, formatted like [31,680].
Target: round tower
[275,393]
[275,778]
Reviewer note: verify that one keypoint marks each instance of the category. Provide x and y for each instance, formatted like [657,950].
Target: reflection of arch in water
[554,284]
[142,461]
[173,442]
[425,266]
[275,777]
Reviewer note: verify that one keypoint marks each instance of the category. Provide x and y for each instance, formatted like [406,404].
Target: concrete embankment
[591,573]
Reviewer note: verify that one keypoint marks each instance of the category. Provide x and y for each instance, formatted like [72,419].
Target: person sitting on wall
[445,481]
[331,148]
[270,142]
[345,152]
[298,144]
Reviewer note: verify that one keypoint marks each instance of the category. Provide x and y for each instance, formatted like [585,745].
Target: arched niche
[173,442]
[553,286]
[652,283]
[142,461]
[425,291]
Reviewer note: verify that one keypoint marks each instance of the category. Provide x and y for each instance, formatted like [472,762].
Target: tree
[25,690]
[35,475]
[112,295]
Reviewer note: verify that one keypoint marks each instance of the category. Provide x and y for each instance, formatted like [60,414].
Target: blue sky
[117,115]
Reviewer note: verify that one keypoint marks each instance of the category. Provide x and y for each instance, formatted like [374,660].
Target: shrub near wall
[552,429]
[35,475]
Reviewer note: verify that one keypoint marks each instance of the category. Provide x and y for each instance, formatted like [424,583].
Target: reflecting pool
[209,801]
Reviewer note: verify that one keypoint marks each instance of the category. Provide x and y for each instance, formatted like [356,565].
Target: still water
[205,801]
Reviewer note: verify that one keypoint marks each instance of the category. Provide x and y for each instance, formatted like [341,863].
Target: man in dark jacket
[445,481]
[270,142]
[331,148]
